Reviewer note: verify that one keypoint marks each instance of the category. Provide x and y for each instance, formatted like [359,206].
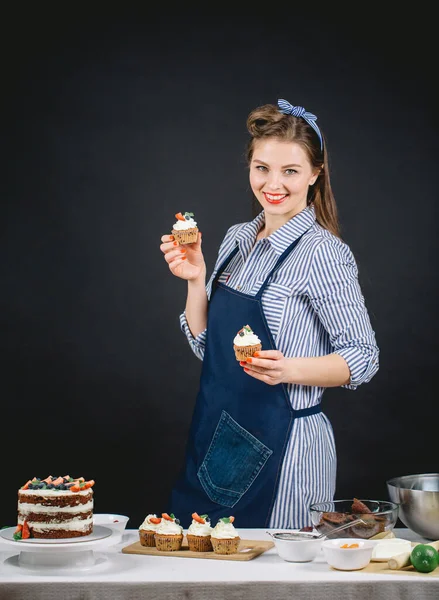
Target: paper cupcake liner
[147,538]
[168,543]
[243,352]
[228,546]
[185,236]
[199,543]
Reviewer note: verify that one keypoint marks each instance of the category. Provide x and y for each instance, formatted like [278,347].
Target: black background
[111,126]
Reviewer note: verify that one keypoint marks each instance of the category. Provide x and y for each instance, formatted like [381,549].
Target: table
[131,577]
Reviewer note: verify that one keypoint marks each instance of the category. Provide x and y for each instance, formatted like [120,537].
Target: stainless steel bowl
[418,500]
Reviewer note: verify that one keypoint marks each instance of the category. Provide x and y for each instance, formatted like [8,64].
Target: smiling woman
[259,442]
[281,189]
[291,157]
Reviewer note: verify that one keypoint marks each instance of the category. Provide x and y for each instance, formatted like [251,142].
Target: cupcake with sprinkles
[185,230]
[225,539]
[169,534]
[148,529]
[246,343]
[198,534]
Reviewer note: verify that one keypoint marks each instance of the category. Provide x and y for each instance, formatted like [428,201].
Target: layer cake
[55,507]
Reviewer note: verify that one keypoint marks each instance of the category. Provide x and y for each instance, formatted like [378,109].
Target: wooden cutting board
[381,567]
[247,550]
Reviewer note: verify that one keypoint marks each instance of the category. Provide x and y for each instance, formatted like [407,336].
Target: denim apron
[240,426]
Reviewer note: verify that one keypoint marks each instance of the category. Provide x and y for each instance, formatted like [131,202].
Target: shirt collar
[282,237]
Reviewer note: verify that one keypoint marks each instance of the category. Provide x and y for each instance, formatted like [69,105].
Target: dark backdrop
[112,126]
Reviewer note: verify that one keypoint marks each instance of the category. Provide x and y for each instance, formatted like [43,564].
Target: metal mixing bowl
[418,500]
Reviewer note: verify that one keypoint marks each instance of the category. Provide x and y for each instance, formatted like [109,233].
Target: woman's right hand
[184,261]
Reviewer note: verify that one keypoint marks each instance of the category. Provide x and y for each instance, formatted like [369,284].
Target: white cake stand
[65,553]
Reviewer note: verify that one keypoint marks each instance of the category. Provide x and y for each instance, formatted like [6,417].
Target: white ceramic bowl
[115,522]
[348,559]
[293,550]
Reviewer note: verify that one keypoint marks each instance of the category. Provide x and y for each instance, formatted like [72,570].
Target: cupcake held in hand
[246,343]
[185,230]
[225,539]
[169,534]
[148,529]
[198,534]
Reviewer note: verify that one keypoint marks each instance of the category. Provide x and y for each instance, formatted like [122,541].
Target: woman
[259,447]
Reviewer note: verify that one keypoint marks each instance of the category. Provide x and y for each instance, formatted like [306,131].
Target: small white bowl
[348,559]
[115,522]
[299,550]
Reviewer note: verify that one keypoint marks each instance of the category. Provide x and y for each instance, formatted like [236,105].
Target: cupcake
[148,529]
[185,230]
[169,534]
[224,537]
[198,534]
[246,343]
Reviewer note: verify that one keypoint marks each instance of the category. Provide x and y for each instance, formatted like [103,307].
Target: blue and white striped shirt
[314,306]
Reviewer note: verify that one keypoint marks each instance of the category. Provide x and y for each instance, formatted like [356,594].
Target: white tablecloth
[130,577]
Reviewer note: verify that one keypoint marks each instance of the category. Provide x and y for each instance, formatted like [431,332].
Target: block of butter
[385,549]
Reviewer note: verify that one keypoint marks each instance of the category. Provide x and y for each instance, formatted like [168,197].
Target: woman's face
[280,173]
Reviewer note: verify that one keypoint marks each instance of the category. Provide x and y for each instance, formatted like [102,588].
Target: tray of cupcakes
[164,536]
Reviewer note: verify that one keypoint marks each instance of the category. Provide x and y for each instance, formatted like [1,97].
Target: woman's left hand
[269,366]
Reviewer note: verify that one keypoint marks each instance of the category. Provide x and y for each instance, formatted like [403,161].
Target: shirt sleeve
[198,343]
[336,296]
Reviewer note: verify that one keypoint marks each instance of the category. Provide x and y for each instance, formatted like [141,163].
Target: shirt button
[238,287]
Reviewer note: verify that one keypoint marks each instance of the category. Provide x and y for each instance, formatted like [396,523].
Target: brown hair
[268,122]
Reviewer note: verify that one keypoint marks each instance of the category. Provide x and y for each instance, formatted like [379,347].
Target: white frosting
[26,508]
[248,339]
[186,224]
[200,529]
[54,493]
[148,525]
[169,528]
[224,531]
[73,525]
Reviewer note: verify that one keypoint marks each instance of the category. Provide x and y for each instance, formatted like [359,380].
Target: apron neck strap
[224,264]
[279,262]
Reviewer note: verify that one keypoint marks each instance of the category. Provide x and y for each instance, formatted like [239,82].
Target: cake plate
[57,553]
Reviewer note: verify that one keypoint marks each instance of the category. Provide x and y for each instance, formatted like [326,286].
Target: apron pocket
[233,461]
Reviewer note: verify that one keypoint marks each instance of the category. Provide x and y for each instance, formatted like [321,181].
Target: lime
[424,558]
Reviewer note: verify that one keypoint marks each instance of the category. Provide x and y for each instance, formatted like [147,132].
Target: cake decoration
[148,529]
[225,539]
[198,534]
[169,534]
[185,230]
[246,343]
[55,507]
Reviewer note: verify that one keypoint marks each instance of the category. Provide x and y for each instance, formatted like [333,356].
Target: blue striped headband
[298,111]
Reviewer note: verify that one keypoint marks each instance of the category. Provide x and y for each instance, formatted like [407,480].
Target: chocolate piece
[359,507]
[337,519]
